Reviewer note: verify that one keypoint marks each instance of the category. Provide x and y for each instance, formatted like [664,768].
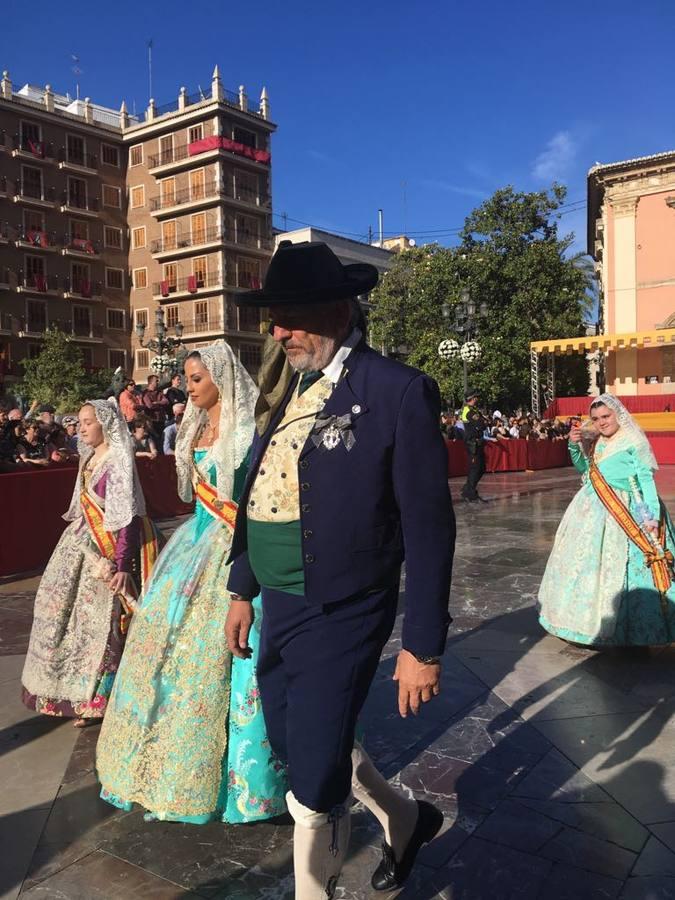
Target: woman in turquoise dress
[184,734]
[608,581]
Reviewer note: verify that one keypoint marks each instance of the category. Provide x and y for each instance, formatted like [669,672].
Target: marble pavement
[552,764]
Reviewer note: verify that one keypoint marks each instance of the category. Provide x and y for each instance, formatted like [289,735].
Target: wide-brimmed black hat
[309,272]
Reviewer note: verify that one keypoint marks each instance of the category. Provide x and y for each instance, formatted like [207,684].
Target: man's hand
[238,625]
[417,682]
[122,583]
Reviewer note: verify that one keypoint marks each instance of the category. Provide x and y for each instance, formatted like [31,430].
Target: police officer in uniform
[474,426]
[348,476]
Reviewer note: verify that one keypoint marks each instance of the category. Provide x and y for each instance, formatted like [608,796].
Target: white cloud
[554,162]
[453,188]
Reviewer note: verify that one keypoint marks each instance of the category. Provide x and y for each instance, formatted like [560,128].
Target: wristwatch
[428,660]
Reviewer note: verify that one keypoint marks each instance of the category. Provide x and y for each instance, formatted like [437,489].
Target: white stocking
[319,848]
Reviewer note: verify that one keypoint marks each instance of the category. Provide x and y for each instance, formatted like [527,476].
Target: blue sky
[422,109]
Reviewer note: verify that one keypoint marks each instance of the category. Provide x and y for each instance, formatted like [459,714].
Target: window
[167,192]
[198,228]
[36,316]
[115,319]
[142,359]
[34,350]
[250,355]
[87,358]
[141,316]
[201,315]
[117,359]
[166,149]
[248,231]
[31,137]
[36,272]
[199,270]
[80,278]
[196,133]
[33,220]
[110,156]
[82,321]
[171,275]
[77,193]
[172,315]
[112,237]
[79,230]
[243,136]
[248,272]
[197,184]
[114,278]
[137,196]
[169,235]
[140,278]
[138,238]
[249,319]
[75,149]
[112,196]
[246,187]
[136,155]
[31,182]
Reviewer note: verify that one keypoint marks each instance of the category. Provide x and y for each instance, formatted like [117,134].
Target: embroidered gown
[76,642]
[185,735]
[597,589]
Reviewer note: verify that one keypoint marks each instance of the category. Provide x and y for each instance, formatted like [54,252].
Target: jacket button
[304,486]
[305,507]
[309,558]
[307,533]
[304,464]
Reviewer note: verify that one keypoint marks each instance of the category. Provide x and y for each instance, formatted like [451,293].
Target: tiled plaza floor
[552,764]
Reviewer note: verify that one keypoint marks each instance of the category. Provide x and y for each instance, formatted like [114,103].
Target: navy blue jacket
[365,510]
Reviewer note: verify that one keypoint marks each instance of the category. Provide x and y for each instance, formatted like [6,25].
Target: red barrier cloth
[216,142]
[33,502]
[572,406]
[663,446]
[511,456]
[547,454]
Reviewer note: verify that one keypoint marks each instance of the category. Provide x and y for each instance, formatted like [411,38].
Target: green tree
[511,258]
[57,374]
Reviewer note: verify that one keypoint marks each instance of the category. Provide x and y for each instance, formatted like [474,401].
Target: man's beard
[314,362]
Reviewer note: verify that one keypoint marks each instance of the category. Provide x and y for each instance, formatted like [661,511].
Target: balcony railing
[39,283]
[84,160]
[81,245]
[38,149]
[202,324]
[204,145]
[29,190]
[3,184]
[74,201]
[5,275]
[209,190]
[179,242]
[42,240]
[83,287]
[190,284]
[6,231]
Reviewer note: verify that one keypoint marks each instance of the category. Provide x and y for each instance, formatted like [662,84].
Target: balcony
[3,185]
[38,283]
[182,245]
[78,205]
[6,232]
[35,151]
[207,194]
[202,326]
[36,239]
[6,323]
[86,163]
[190,286]
[5,278]
[80,247]
[86,333]
[81,289]
[203,150]
[34,194]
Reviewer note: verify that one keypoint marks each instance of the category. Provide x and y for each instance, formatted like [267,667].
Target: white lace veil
[630,433]
[238,395]
[124,495]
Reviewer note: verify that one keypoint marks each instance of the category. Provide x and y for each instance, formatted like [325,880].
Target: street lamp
[162,345]
[467,316]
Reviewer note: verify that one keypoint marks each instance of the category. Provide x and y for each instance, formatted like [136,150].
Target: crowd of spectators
[38,438]
[499,427]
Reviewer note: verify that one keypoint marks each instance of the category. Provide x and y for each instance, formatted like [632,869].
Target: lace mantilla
[238,395]
[629,435]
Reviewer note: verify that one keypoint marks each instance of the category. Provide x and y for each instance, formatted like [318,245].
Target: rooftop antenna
[150,68]
[404,185]
[77,71]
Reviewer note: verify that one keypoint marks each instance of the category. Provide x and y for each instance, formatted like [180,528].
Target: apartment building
[104,219]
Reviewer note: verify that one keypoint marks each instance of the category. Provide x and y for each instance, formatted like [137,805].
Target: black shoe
[391,874]
[482,499]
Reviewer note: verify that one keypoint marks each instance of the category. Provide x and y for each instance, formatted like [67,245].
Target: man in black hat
[474,428]
[336,497]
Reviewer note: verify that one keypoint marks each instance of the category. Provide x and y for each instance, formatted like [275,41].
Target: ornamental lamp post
[165,347]
[467,315]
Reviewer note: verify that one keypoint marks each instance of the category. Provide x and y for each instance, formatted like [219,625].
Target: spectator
[7,441]
[130,402]
[171,430]
[156,406]
[144,443]
[14,415]
[31,449]
[70,436]
[174,394]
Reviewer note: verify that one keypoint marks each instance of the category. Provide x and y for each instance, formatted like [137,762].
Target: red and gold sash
[657,558]
[107,544]
[223,510]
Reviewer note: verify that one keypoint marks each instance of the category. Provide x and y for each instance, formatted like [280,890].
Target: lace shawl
[629,434]
[123,495]
[238,395]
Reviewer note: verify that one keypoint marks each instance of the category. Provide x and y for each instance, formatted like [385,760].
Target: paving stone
[556,778]
[604,820]
[655,859]
[569,883]
[518,826]
[657,887]
[579,849]
[665,831]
